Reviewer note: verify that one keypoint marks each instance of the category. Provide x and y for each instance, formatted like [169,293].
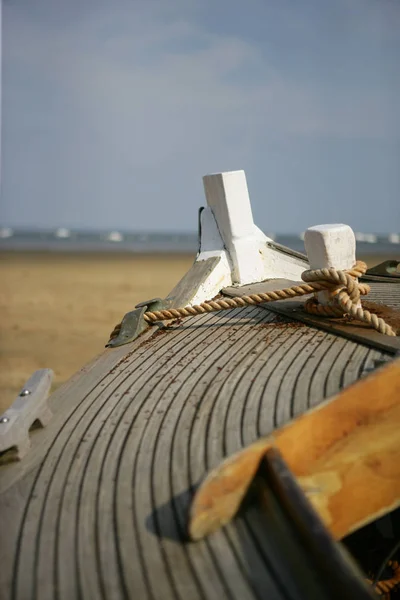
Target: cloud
[134,99]
[126,62]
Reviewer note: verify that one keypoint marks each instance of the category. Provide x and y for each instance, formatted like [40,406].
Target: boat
[62,233]
[6,232]
[115,236]
[231,441]
[370,238]
[394,238]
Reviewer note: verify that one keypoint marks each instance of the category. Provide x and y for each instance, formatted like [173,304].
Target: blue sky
[113,111]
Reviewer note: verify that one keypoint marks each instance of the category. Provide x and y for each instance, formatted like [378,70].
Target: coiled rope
[386,586]
[342,286]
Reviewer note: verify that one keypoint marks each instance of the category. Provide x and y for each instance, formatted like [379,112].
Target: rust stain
[387,313]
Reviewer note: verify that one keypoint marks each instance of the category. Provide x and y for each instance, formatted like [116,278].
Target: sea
[67,240]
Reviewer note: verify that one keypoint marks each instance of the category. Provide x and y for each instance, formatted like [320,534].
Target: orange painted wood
[345,454]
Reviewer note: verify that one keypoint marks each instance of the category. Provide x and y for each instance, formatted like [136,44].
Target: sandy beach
[57,310]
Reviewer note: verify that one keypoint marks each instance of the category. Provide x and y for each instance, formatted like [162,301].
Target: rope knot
[342,289]
[343,293]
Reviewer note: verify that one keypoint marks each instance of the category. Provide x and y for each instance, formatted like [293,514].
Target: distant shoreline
[64,240]
[115,254]
[142,249]
[372,256]
[121,253]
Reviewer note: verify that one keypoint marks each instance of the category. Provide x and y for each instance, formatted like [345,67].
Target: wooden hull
[99,507]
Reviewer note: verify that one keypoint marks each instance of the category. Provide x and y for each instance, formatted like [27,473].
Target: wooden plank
[360,333]
[349,466]
[262,286]
[388,294]
[385,293]
[99,505]
[187,288]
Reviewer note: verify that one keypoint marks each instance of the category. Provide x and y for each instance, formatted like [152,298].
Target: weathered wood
[387,294]
[357,332]
[192,283]
[270,285]
[98,508]
[345,454]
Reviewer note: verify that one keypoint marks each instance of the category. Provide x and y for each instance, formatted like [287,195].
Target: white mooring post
[330,246]
[247,248]
[228,197]
[233,251]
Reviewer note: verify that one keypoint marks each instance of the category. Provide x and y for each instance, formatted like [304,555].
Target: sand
[57,310]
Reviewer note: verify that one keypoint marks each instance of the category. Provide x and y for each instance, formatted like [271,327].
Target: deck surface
[99,507]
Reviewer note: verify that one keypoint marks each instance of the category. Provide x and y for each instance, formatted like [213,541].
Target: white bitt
[330,246]
[228,197]
[251,259]
[228,232]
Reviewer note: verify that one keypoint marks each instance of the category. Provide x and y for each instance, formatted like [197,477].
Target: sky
[112,111]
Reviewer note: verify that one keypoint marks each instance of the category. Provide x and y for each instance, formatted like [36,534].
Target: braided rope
[386,586]
[342,286]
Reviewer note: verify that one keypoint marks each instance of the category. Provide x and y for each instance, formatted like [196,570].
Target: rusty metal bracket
[293,309]
[154,304]
[288,251]
[131,326]
[385,271]
[133,323]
